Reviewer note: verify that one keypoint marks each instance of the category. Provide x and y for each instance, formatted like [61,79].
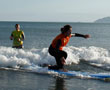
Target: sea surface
[20,68]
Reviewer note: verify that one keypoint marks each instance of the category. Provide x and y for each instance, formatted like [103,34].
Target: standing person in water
[56,47]
[18,37]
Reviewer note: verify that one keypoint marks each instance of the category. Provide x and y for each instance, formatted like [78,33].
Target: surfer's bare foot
[63,70]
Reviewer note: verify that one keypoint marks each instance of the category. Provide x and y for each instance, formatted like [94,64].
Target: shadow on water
[59,84]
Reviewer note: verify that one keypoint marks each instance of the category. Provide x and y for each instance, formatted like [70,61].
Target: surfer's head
[66,30]
[17,26]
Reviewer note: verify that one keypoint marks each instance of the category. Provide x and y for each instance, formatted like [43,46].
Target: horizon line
[46,21]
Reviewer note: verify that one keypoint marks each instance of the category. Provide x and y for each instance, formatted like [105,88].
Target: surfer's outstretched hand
[87,36]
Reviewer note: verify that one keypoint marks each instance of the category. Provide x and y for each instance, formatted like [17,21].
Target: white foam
[30,59]
[92,54]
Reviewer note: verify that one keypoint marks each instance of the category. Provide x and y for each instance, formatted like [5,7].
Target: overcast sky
[54,10]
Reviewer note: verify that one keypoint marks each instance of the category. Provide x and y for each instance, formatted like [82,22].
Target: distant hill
[103,20]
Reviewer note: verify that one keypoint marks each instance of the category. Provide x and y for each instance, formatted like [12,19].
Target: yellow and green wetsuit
[16,36]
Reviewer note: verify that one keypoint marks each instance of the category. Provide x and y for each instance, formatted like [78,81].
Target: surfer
[18,37]
[56,47]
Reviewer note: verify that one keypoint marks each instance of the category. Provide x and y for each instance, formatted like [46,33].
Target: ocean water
[87,55]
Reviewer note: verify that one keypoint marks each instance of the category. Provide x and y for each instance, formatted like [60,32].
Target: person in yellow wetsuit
[18,37]
[60,41]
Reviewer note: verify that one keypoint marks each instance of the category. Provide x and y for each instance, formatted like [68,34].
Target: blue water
[91,55]
[40,34]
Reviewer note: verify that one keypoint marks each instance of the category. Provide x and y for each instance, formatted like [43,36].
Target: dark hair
[65,28]
[16,25]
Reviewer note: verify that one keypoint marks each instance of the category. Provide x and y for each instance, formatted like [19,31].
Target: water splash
[10,57]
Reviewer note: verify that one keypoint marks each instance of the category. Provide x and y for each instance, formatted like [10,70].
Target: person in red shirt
[56,47]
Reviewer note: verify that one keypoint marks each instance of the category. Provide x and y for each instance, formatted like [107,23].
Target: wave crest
[30,58]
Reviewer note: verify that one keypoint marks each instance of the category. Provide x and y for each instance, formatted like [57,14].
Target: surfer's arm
[23,36]
[58,44]
[11,37]
[80,35]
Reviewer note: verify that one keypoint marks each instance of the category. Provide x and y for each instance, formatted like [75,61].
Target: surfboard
[83,74]
[79,74]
